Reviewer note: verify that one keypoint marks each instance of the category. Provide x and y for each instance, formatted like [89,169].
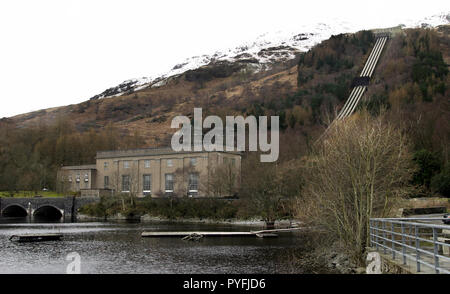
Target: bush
[165,207]
[428,163]
[192,208]
[441,182]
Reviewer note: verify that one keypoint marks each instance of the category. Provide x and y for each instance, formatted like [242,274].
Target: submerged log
[36,237]
[193,237]
[183,235]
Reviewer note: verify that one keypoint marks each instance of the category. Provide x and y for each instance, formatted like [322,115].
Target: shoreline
[148,219]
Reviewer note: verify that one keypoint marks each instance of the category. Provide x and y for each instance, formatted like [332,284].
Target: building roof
[80,167]
[148,152]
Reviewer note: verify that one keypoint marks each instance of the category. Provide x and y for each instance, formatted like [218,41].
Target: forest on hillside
[30,157]
[411,85]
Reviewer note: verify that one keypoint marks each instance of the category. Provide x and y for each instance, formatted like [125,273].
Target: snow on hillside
[265,49]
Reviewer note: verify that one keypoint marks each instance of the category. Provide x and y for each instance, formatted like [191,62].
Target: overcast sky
[60,52]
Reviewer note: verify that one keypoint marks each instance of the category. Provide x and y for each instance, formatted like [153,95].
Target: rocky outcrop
[337,261]
[216,70]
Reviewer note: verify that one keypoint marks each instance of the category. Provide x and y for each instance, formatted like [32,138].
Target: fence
[417,240]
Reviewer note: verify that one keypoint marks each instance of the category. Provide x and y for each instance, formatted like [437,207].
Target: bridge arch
[14,210]
[48,211]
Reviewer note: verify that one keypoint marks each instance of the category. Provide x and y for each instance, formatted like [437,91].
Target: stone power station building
[154,172]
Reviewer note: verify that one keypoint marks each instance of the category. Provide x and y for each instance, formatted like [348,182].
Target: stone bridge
[54,207]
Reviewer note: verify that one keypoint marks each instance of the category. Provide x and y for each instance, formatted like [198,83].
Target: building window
[193,182]
[225,160]
[126,164]
[169,162]
[105,165]
[169,182]
[147,184]
[106,182]
[233,161]
[125,183]
[147,163]
[193,161]
[78,178]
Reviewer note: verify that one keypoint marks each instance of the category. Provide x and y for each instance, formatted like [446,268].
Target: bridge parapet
[68,205]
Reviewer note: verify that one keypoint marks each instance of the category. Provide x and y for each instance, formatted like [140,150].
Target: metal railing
[414,239]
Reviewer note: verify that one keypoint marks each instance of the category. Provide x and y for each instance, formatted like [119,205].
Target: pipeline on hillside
[361,83]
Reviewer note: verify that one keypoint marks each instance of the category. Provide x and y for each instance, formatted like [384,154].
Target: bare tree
[131,187]
[360,168]
[224,180]
[268,187]
[134,183]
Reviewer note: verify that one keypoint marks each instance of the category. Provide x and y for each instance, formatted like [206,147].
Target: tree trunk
[270,225]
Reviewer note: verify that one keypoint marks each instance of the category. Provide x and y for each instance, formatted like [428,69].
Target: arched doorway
[14,210]
[48,212]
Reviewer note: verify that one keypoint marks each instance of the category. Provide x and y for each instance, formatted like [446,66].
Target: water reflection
[107,247]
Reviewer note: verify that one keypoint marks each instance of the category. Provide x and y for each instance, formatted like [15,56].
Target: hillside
[150,110]
[230,77]
[306,91]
